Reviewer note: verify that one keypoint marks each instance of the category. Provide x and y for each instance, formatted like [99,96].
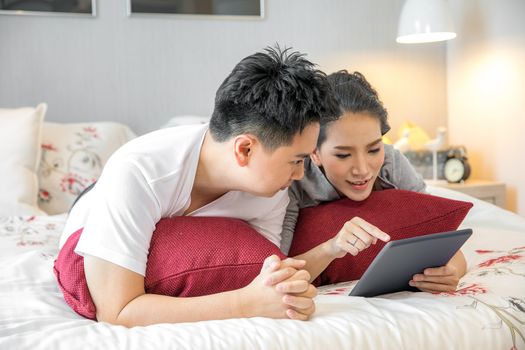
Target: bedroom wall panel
[143,70]
[486,86]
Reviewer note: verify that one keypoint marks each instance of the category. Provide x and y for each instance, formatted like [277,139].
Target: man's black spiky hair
[272,94]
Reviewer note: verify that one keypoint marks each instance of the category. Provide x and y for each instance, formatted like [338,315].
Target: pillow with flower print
[73,156]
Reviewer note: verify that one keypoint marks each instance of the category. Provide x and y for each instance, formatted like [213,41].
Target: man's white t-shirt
[150,178]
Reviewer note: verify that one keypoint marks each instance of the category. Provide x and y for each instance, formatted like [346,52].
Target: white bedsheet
[487,312]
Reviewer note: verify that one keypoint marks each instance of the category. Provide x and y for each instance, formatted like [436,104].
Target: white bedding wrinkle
[486,312]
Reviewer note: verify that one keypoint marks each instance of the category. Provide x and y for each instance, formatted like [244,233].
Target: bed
[486,312]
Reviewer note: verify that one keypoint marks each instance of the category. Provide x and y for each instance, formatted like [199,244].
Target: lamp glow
[424,21]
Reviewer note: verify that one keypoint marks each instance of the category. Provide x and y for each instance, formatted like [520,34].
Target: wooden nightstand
[490,191]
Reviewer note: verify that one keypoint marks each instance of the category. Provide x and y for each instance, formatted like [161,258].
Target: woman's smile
[359,185]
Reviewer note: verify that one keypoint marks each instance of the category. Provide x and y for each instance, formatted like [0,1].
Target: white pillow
[72,158]
[488,213]
[20,134]
[185,120]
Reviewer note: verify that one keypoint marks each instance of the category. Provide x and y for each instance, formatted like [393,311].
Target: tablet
[400,260]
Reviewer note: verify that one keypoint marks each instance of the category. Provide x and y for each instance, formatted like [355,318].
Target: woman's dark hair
[355,94]
[274,95]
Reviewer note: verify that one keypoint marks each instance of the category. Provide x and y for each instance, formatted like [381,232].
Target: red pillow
[188,256]
[401,214]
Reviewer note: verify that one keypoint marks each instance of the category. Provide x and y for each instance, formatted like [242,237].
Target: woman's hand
[437,279]
[442,279]
[355,236]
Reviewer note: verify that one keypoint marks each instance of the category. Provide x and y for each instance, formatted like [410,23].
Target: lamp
[424,21]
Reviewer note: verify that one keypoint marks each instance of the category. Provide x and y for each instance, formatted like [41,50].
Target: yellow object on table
[417,136]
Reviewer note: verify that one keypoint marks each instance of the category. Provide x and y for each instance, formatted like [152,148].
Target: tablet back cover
[398,261]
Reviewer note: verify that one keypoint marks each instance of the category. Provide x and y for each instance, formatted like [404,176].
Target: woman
[351,161]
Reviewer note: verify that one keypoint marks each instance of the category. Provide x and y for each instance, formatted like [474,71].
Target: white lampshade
[424,21]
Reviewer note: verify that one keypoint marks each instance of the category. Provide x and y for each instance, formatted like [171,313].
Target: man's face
[272,171]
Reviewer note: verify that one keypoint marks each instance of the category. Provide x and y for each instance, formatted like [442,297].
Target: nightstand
[490,191]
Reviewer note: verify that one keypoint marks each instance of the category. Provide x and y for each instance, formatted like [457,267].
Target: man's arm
[280,290]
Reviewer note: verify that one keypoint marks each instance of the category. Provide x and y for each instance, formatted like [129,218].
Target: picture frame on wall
[231,9]
[49,7]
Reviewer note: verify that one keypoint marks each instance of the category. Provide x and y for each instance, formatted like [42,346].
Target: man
[265,122]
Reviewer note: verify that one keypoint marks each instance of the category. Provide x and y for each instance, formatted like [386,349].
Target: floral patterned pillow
[73,156]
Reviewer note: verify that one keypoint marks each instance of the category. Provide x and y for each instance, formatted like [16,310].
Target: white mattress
[488,311]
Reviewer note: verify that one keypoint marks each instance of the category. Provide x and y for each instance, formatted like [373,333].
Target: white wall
[486,91]
[144,70]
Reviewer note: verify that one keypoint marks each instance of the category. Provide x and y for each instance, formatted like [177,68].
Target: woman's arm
[356,235]
[289,222]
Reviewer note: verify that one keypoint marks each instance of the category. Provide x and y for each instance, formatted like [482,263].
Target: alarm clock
[456,167]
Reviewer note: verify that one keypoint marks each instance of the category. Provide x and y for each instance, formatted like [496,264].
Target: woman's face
[352,154]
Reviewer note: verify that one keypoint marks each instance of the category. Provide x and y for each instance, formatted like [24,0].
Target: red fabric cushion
[188,256]
[69,272]
[192,256]
[401,214]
